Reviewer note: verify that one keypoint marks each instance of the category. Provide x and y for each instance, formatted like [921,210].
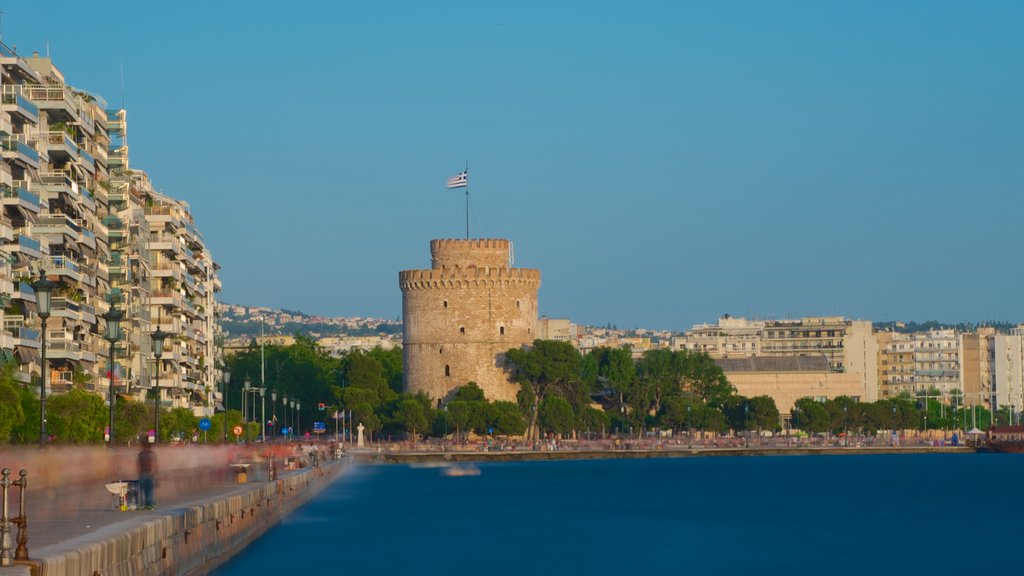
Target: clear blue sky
[662,163]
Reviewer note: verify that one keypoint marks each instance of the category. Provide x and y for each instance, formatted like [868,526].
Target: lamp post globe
[158,352]
[113,333]
[273,406]
[44,290]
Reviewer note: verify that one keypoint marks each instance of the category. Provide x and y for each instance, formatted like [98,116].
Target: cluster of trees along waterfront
[561,393]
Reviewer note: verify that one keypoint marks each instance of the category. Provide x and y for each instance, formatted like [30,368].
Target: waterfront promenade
[203,513]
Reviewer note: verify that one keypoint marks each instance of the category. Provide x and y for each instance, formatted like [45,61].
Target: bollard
[6,556]
[22,520]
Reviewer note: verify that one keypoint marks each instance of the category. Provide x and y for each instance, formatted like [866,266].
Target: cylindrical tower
[462,315]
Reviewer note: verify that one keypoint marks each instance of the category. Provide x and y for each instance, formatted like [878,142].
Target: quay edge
[186,541]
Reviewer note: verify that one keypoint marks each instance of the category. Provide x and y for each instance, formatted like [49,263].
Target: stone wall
[461,315]
[193,540]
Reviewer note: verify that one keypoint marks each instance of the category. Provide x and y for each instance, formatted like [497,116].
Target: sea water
[859,515]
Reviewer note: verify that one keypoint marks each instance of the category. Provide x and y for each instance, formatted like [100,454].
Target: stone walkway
[58,515]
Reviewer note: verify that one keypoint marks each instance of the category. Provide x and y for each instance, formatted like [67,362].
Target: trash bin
[241,475]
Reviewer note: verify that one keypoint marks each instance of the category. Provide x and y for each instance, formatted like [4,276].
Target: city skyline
[662,165]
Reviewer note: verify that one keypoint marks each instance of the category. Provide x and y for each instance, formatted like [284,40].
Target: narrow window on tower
[440,350]
[462,329]
[447,370]
[501,330]
[445,303]
[517,304]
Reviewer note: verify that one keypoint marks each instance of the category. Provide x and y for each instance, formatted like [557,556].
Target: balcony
[88,238]
[54,98]
[15,103]
[64,266]
[18,151]
[26,245]
[165,242]
[62,307]
[166,298]
[55,223]
[21,197]
[59,145]
[86,161]
[63,349]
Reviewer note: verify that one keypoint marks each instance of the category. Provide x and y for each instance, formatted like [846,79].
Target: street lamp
[158,352]
[113,319]
[246,384]
[892,441]
[292,404]
[224,402]
[298,416]
[273,406]
[284,401]
[689,428]
[263,414]
[746,425]
[44,289]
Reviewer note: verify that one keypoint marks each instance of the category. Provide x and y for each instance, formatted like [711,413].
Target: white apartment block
[74,209]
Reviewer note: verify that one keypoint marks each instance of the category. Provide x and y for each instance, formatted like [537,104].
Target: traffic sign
[319,427]
[204,424]
[237,430]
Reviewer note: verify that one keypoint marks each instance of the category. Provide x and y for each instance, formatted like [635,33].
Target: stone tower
[462,314]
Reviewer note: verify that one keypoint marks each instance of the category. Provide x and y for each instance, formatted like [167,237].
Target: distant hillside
[911,327]
[238,321]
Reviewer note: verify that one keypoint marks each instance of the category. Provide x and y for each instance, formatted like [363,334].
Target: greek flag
[460,180]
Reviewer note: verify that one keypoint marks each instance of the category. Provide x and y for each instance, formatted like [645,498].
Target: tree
[610,372]
[412,417]
[458,414]
[763,413]
[76,417]
[506,419]
[556,415]
[181,423]
[593,420]
[810,416]
[12,413]
[547,366]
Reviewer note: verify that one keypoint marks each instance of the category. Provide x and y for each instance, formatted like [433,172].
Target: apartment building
[977,364]
[75,209]
[847,345]
[1008,368]
[895,363]
[937,361]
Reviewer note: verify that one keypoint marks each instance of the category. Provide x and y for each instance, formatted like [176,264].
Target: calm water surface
[886,514]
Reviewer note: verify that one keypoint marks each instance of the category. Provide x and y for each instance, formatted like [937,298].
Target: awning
[26,355]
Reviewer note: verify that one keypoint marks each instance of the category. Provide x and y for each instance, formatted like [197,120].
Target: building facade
[461,316]
[74,209]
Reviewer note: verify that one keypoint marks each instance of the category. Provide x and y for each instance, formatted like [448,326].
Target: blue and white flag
[460,180]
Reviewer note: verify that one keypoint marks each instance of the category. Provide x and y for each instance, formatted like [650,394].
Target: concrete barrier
[188,540]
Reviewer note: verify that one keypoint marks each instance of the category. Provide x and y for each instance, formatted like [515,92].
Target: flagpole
[467,199]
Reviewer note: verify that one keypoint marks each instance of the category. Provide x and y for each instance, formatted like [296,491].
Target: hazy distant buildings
[846,345]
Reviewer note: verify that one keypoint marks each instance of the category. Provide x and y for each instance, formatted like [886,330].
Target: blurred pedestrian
[147,474]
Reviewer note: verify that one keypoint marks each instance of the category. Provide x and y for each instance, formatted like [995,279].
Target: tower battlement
[453,252]
[472,277]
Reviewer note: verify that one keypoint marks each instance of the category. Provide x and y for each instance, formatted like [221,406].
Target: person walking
[147,474]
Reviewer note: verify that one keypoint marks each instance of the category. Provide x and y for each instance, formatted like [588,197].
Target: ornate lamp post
[292,404]
[113,319]
[298,414]
[158,352]
[44,289]
[224,401]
